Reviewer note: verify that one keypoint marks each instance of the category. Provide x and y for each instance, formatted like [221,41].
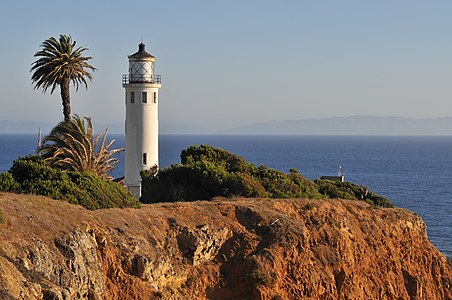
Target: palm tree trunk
[66,99]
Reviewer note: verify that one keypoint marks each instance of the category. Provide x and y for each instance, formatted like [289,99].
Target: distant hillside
[164,128]
[31,127]
[354,125]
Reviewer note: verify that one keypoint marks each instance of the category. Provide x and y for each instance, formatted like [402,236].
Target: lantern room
[141,68]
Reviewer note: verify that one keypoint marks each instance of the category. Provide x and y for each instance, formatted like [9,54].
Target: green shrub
[35,176]
[335,189]
[7,182]
[101,193]
[205,153]
[348,190]
[2,217]
[206,172]
[201,180]
[281,185]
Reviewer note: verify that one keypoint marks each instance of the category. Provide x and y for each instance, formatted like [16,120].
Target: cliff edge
[223,249]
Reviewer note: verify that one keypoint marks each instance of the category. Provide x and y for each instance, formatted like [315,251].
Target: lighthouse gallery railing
[126,79]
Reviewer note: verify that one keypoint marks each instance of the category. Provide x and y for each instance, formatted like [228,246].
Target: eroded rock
[225,249]
[201,244]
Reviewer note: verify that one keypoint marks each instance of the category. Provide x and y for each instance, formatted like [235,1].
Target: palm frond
[73,146]
[60,63]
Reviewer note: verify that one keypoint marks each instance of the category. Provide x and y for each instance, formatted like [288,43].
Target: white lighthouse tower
[142,94]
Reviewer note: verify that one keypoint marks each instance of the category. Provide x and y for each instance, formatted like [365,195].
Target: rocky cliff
[223,249]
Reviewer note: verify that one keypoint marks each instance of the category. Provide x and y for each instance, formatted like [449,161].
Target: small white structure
[141,125]
[340,176]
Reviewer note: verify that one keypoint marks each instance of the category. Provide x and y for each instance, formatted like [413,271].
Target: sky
[231,63]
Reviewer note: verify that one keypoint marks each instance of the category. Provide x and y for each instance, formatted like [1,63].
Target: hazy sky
[229,63]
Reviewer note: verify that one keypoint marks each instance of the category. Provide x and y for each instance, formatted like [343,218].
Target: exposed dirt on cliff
[223,249]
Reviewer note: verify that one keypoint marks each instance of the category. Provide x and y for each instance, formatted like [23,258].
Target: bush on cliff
[7,182]
[348,190]
[206,172]
[33,175]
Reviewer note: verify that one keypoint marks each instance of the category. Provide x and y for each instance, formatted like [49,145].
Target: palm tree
[60,63]
[73,146]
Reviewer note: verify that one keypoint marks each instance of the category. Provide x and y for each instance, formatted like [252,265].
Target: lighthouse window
[132,97]
[144,97]
[144,158]
[155,97]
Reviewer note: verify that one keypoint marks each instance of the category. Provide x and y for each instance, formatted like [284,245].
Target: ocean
[414,172]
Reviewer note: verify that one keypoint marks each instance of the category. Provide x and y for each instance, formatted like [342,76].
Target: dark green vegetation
[206,172]
[59,63]
[7,183]
[33,175]
[348,190]
[73,146]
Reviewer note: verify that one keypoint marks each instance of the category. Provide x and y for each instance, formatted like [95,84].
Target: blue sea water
[413,172]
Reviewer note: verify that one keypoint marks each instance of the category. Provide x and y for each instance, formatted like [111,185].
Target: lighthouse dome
[142,54]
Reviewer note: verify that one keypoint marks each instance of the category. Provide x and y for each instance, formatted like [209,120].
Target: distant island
[353,125]
[31,127]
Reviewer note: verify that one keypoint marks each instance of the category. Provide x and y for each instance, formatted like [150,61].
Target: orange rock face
[223,249]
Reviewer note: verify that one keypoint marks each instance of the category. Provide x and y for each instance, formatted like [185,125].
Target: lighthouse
[141,98]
